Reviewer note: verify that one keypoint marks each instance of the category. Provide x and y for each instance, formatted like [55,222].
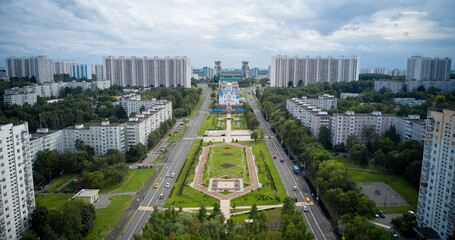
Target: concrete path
[225,206]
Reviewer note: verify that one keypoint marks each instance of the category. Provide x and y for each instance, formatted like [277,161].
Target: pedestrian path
[225,206]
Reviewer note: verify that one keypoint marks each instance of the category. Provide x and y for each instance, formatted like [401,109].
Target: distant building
[409,128]
[19,96]
[394,86]
[145,72]
[217,68]
[41,67]
[254,72]
[207,72]
[308,115]
[291,71]
[398,86]
[17,198]
[346,95]
[428,69]
[349,123]
[385,71]
[63,67]
[408,101]
[29,94]
[436,202]
[245,69]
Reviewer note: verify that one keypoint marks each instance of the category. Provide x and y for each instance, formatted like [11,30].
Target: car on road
[295,199]
[157,185]
[394,234]
[381,214]
[172,174]
[305,208]
[161,196]
[274,156]
[307,199]
[167,175]
[411,212]
[223,135]
[294,188]
[168,185]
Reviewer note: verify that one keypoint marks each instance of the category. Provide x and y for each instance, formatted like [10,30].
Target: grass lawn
[109,216]
[271,213]
[211,123]
[60,182]
[265,195]
[399,184]
[52,201]
[190,197]
[238,125]
[133,181]
[177,135]
[226,159]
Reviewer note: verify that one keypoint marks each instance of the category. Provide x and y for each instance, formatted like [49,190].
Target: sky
[382,33]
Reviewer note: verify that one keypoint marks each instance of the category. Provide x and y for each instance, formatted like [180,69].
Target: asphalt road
[317,223]
[176,157]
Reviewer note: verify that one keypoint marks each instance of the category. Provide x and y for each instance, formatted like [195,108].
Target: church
[228,95]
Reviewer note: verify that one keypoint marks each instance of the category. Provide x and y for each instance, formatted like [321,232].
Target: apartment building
[63,67]
[139,127]
[17,199]
[346,95]
[19,96]
[428,69]
[45,139]
[245,69]
[207,72]
[100,136]
[408,101]
[41,67]
[436,202]
[349,123]
[411,85]
[291,71]
[29,94]
[309,115]
[145,72]
[409,128]
[133,103]
[217,68]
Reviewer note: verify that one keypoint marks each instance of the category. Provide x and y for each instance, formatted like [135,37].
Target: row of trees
[173,224]
[72,221]
[252,121]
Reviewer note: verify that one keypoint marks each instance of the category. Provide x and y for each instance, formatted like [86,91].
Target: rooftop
[87,192]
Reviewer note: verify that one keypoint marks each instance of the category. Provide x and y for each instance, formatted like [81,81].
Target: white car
[305,208]
[168,185]
[167,175]
[173,175]
[295,188]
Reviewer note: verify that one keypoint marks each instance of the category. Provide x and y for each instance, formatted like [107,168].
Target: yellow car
[156,185]
[307,199]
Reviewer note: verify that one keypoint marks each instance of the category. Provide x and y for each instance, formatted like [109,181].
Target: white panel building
[296,70]
[349,123]
[17,199]
[45,139]
[436,202]
[41,67]
[409,128]
[145,72]
[428,69]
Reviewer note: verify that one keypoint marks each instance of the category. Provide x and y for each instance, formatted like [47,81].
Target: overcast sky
[382,33]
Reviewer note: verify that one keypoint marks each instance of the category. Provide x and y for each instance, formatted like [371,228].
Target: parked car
[394,234]
[411,212]
[305,208]
[223,135]
[381,214]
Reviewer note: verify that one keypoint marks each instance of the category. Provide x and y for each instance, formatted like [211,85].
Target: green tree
[324,137]
[386,145]
[351,141]
[136,152]
[253,212]
[359,154]
[202,214]
[254,135]
[405,225]
[94,180]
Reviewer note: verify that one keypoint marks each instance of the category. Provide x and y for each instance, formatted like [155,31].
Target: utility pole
[385,201]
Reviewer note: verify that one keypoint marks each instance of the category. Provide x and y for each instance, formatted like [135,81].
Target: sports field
[226,160]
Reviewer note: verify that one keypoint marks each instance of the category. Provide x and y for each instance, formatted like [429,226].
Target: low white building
[133,103]
[90,196]
[20,97]
[309,115]
[346,95]
[45,139]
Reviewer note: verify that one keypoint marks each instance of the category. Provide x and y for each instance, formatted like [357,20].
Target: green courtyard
[226,160]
